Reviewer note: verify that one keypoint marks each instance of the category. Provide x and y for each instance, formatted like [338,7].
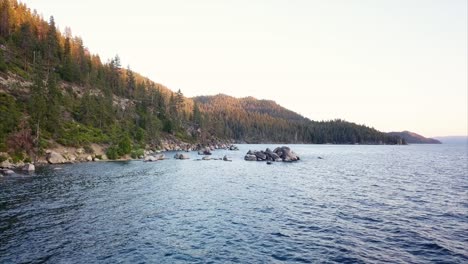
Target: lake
[359,204]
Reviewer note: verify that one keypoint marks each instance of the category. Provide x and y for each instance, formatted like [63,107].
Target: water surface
[359,204]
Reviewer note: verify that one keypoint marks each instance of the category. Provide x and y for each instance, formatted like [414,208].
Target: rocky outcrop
[286,154]
[279,154]
[53,157]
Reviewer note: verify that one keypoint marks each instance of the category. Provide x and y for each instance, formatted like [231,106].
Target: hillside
[413,138]
[261,121]
[54,92]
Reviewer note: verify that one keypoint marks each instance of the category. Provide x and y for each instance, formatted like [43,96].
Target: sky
[391,64]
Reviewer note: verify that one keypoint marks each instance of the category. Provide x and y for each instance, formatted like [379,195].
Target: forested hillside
[253,121]
[53,90]
[413,138]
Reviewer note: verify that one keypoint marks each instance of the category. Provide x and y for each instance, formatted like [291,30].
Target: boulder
[89,158]
[160,156]
[289,155]
[206,158]
[260,155]
[6,165]
[53,157]
[226,158]
[274,156]
[181,156]
[6,171]
[28,167]
[80,151]
[250,157]
[72,158]
[150,159]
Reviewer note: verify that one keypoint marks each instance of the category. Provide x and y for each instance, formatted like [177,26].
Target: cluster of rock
[153,158]
[72,156]
[7,168]
[279,154]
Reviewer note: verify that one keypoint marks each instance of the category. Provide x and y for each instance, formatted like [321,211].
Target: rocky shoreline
[72,155]
[95,153]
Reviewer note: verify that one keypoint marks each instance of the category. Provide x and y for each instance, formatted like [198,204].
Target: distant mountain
[262,121]
[413,138]
[453,139]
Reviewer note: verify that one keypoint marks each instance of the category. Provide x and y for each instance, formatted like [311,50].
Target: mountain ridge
[414,138]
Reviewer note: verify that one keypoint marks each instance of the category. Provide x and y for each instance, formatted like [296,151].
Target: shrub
[112,153]
[137,153]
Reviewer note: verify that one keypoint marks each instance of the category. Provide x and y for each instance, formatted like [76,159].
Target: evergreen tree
[131,84]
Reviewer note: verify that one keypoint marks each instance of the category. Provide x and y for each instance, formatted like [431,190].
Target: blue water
[359,204]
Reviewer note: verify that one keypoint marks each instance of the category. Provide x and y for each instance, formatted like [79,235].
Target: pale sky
[391,64]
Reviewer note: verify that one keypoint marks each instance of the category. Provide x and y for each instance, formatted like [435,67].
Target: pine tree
[131,84]
[37,103]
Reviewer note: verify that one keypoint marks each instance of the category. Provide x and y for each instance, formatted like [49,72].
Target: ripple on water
[360,204]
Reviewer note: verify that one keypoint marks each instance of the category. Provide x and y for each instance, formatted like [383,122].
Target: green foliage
[137,153]
[9,115]
[112,153]
[17,156]
[168,126]
[3,158]
[74,134]
[3,65]
[122,146]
